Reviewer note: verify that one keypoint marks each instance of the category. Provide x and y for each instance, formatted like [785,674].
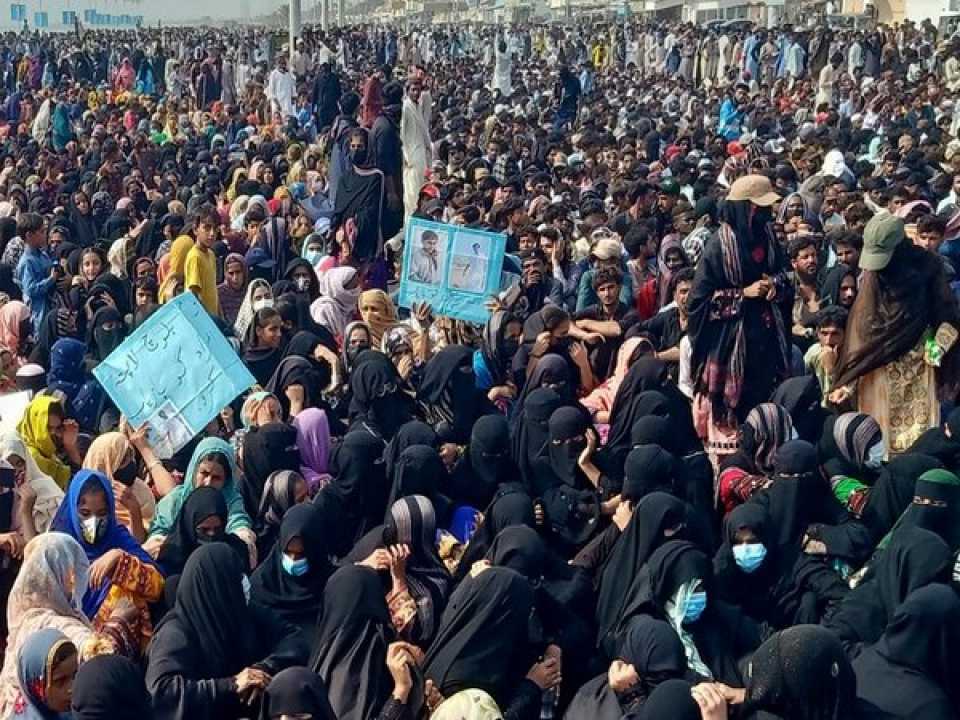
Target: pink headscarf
[313,439]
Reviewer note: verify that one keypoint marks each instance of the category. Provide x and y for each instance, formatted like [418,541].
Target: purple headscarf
[313,439]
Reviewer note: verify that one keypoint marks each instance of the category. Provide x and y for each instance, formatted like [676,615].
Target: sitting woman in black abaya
[419,471]
[650,653]
[380,404]
[213,649]
[419,581]
[291,579]
[449,395]
[676,585]
[484,463]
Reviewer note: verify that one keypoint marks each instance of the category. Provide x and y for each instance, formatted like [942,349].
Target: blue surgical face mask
[749,556]
[294,567]
[875,455]
[313,256]
[696,604]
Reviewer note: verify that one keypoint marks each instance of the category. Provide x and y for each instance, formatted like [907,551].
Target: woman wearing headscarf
[942,442]
[313,441]
[552,372]
[486,462]
[420,471]
[802,398]
[600,400]
[801,672]
[914,558]
[530,433]
[839,287]
[46,667]
[484,641]
[202,519]
[676,585]
[233,290]
[911,672]
[851,451]
[105,333]
[377,312]
[35,431]
[380,405]
[263,344]
[339,294]
[214,647]
[83,228]
[67,375]
[748,470]
[650,653]
[120,570]
[740,299]
[110,687]
[296,692]
[511,505]
[283,490]
[112,455]
[48,593]
[266,449]
[300,382]
[902,327]
[258,295]
[493,360]
[260,408]
[449,395]
[15,329]
[670,260]
[358,492]
[776,584]
[48,494]
[212,464]
[291,579]
[353,647]
[420,581]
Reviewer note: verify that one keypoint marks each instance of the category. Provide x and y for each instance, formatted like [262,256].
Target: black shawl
[203,503]
[266,450]
[296,691]
[449,395]
[485,463]
[379,400]
[415,432]
[530,432]
[358,491]
[420,471]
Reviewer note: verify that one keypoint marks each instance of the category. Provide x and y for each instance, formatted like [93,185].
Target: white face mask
[262,303]
[876,455]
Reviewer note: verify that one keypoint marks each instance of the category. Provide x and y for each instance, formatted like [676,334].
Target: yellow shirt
[200,275]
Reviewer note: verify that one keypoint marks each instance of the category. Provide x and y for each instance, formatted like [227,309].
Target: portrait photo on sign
[427,255]
[471,258]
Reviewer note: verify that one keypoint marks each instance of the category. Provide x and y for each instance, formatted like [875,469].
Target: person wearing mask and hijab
[105,334]
[212,464]
[378,313]
[419,470]
[291,579]
[493,360]
[801,397]
[530,432]
[303,278]
[215,646]
[282,490]
[485,462]
[449,395]
[852,451]
[120,570]
[257,296]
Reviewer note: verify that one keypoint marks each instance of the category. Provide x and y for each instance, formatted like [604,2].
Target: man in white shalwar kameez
[417,146]
[502,70]
[281,89]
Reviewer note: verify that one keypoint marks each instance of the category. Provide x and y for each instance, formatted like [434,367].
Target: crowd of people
[700,462]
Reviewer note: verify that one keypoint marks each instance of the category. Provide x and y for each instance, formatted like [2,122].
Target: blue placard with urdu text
[452,268]
[175,373]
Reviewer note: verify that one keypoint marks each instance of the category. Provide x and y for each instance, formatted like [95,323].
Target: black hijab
[511,505]
[101,341]
[671,700]
[915,558]
[801,397]
[485,463]
[419,471]
[350,652]
[497,352]
[379,401]
[296,691]
[649,468]
[894,490]
[110,687]
[653,518]
[483,637]
[296,599]
[801,673]
[415,432]
[266,449]
[832,281]
[935,442]
[530,432]
[203,502]
[551,371]
[449,396]
[655,652]
[358,490]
